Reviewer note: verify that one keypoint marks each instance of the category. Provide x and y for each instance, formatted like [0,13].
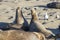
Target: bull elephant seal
[20,35]
[18,21]
[39,26]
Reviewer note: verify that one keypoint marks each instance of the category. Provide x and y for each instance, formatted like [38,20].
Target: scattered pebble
[10,17]
[37,0]
[52,21]
[12,9]
[29,14]
[45,9]
[5,1]
[51,15]
[27,0]
[44,23]
[27,8]
[7,12]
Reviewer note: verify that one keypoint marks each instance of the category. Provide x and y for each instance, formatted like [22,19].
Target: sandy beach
[8,12]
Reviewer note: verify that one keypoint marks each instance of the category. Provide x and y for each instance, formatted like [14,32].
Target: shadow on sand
[55,31]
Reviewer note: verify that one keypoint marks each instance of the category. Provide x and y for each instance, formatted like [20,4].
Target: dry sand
[8,8]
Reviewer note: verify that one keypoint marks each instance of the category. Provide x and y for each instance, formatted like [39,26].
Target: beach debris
[46,16]
[57,16]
